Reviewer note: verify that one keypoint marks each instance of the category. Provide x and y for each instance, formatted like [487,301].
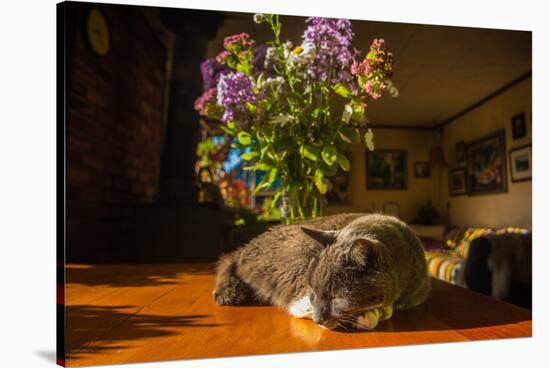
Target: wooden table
[139,313]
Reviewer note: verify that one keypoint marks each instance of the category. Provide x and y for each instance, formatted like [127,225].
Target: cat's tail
[230,289]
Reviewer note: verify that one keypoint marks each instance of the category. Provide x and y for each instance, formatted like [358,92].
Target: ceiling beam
[461,113]
[484,100]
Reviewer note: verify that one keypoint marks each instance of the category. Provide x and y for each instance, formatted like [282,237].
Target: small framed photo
[519,129]
[422,170]
[457,182]
[386,169]
[460,152]
[521,167]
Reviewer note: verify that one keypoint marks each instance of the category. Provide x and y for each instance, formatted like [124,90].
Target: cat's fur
[340,270]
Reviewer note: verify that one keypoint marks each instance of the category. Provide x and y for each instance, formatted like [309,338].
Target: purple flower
[332,40]
[211,71]
[258,61]
[234,91]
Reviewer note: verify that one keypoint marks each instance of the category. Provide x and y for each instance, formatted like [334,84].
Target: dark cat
[340,270]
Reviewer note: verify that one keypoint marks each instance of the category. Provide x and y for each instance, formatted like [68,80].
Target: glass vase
[300,203]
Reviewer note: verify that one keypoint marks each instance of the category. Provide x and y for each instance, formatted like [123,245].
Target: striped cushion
[444,265]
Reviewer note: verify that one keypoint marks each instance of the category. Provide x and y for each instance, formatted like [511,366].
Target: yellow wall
[493,210]
[417,143]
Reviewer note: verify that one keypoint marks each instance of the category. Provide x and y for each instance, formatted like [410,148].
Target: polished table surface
[139,313]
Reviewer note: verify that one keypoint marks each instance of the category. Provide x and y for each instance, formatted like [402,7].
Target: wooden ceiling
[440,71]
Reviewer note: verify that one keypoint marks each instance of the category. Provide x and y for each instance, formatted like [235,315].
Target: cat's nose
[320,316]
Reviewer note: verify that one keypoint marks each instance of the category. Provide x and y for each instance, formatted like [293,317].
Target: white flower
[346,115]
[301,55]
[270,57]
[260,18]
[281,119]
[274,83]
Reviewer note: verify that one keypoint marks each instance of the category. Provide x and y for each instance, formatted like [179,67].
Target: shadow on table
[133,275]
[451,307]
[95,330]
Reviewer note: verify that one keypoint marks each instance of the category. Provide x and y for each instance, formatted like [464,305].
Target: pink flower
[239,41]
[208,96]
[222,56]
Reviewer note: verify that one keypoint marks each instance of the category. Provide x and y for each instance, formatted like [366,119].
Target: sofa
[495,262]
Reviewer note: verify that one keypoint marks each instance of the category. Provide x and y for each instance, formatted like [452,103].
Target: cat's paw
[386,312]
[369,320]
[301,308]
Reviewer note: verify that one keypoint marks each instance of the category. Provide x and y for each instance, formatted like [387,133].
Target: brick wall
[114,130]
[115,112]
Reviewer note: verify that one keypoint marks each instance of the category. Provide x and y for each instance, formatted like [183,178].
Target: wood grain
[139,313]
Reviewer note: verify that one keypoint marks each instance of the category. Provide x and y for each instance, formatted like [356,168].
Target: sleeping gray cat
[341,270]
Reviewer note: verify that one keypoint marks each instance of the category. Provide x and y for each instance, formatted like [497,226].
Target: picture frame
[386,169]
[519,127]
[521,163]
[486,164]
[460,148]
[457,182]
[422,169]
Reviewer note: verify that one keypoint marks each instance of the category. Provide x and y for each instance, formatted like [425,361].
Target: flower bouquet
[292,111]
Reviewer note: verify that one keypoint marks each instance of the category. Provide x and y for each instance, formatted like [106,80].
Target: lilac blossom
[211,70]
[258,61]
[234,91]
[332,40]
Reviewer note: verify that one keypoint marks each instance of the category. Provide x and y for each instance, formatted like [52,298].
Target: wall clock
[97,32]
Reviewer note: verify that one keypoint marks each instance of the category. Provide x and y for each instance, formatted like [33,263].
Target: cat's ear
[368,252]
[324,237]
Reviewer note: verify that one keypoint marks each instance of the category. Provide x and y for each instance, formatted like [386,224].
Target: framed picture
[340,193]
[521,168]
[387,169]
[460,152]
[457,182]
[486,169]
[422,170]
[519,129]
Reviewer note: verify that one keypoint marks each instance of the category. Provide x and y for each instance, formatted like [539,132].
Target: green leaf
[272,176]
[263,166]
[309,152]
[343,90]
[274,201]
[343,162]
[344,137]
[251,108]
[244,138]
[321,182]
[369,139]
[351,133]
[329,155]
[392,90]
[262,184]
[226,130]
[358,112]
[328,171]
[247,156]
[315,114]
[231,125]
